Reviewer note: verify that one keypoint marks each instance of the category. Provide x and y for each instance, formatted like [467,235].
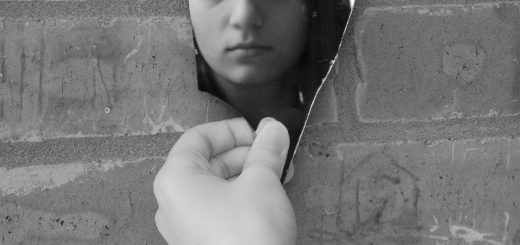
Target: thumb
[269,149]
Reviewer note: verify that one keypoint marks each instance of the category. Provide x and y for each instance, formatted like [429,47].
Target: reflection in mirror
[267,58]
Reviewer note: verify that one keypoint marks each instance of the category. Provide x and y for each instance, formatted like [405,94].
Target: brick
[88,76]
[102,202]
[429,62]
[324,109]
[71,9]
[445,192]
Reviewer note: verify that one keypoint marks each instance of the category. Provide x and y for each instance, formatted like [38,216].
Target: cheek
[207,39]
[291,26]
[294,37]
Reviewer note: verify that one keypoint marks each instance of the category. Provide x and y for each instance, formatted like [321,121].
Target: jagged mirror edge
[318,90]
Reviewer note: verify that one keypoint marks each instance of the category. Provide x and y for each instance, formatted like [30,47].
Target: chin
[252,77]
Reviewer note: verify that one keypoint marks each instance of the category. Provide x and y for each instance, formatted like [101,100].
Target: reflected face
[250,41]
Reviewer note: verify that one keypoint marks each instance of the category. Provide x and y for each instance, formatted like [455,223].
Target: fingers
[262,123]
[207,140]
[269,149]
[229,164]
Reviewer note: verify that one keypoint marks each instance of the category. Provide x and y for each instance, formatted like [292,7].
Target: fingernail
[262,123]
[274,137]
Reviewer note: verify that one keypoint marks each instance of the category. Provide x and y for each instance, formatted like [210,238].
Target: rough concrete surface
[446,192]
[454,61]
[376,166]
[63,78]
[102,202]
[71,9]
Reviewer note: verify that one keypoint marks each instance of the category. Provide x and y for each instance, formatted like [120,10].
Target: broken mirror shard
[270,61]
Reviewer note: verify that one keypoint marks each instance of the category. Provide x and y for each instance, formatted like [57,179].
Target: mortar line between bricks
[386,132]
[377,3]
[67,9]
[85,17]
[413,6]
[86,149]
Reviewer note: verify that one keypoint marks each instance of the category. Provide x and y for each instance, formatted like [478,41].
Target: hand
[221,186]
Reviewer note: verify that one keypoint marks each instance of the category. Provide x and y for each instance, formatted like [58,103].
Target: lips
[248,46]
[248,50]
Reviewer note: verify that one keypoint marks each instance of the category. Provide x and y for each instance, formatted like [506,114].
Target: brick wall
[413,139]
[93,94]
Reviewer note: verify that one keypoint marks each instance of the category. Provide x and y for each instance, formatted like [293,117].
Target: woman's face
[250,41]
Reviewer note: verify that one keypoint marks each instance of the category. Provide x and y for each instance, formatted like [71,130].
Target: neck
[256,101]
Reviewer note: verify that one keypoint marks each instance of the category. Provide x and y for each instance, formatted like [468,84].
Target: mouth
[248,50]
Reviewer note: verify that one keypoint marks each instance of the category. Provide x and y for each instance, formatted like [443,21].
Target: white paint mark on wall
[136,49]
[21,181]
[506,227]
[466,153]
[508,161]
[453,153]
[24,180]
[164,125]
[435,12]
[471,235]
[168,125]
[435,227]
[441,238]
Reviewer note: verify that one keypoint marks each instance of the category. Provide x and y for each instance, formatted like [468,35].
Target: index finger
[207,140]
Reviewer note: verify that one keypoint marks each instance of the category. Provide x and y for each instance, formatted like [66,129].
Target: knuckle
[268,161]
[160,184]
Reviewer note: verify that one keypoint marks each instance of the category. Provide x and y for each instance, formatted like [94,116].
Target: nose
[246,15]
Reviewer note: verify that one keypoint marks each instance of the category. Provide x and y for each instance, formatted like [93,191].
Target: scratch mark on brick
[162,125]
[42,67]
[436,226]
[93,101]
[108,103]
[435,12]
[136,49]
[3,71]
[115,72]
[466,153]
[2,108]
[508,160]
[437,237]
[22,78]
[358,212]
[471,235]
[341,193]
[452,153]
[506,227]
[165,126]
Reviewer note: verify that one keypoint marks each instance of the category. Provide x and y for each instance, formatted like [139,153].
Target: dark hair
[326,24]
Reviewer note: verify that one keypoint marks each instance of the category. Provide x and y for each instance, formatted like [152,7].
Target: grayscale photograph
[279,122]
